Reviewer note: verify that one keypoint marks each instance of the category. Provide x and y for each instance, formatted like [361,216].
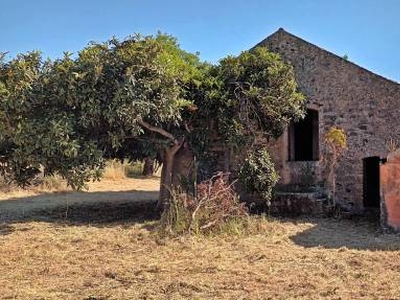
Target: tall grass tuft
[116,169]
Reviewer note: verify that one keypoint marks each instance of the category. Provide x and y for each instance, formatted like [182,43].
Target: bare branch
[158,130]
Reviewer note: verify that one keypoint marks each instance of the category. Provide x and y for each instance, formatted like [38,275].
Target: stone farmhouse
[339,93]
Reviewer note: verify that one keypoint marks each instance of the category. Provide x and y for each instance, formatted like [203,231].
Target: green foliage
[258,175]
[249,97]
[258,94]
[68,115]
[33,133]
[215,207]
[134,99]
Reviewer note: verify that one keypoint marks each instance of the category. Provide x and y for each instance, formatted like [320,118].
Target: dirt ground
[19,202]
[102,245]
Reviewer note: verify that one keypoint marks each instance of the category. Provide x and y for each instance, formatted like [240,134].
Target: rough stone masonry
[339,93]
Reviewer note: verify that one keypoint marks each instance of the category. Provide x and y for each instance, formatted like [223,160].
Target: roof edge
[283,31]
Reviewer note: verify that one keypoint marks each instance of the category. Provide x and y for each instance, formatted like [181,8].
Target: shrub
[134,169]
[214,206]
[257,174]
[52,183]
[336,138]
[336,144]
[115,169]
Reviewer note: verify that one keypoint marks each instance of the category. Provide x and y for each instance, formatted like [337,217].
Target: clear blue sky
[368,31]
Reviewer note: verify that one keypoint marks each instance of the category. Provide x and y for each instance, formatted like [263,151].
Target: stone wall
[364,104]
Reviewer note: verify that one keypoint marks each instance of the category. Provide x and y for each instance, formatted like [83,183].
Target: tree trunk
[332,177]
[176,170]
[166,177]
[148,167]
[182,170]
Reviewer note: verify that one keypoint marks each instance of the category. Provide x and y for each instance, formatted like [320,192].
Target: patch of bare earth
[19,202]
[111,251]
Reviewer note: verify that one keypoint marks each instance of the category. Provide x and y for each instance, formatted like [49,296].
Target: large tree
[116,99]
[142,97]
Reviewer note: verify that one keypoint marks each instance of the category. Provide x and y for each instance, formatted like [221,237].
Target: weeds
[116,169]
[134,169]
[52,183]
[215,207]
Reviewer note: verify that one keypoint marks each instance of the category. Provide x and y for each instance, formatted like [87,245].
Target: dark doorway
[304,138]
[371,189]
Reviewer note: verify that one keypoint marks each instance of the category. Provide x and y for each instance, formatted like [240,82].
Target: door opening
[304,138]
[371,178]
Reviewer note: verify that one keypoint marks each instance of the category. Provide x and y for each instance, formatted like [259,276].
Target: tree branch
[185,124]
[158,130]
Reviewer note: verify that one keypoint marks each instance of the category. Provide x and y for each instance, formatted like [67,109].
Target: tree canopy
[140,97]
[66,116]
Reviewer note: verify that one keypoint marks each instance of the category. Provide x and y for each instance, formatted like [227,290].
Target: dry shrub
[336,143]
[6,185]
[134,169]
[114,170]
[53,183]
[214,208]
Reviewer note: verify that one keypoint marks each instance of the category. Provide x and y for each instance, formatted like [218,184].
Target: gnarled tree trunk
[182,169]
[177,166]
[166,176]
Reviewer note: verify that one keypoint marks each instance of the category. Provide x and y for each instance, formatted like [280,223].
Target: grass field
[102,245]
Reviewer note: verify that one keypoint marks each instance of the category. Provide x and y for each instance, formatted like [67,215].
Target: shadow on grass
[6,229]
[140,176]
[107,209]
[73,208]
[358,234]
[104,213]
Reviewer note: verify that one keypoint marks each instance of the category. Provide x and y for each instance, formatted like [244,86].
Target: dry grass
[21,203]
[125,261]
[39,185]
[110,250]
[116,176]
[114,170]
